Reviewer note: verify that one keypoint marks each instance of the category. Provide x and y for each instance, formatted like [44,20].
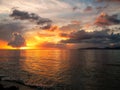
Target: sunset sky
[44,24]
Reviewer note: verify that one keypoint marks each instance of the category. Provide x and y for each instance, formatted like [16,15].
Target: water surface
[80,69]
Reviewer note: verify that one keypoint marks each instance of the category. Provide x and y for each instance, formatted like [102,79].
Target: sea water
[79,69]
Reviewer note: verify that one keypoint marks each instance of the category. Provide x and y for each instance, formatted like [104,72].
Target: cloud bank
[44,23]
[96,37]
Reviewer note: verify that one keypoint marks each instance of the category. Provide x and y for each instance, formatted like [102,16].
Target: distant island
[97,48]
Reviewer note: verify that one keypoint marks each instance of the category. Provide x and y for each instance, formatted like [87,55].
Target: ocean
[76,69]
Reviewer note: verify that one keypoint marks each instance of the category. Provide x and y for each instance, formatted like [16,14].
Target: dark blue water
[79,69]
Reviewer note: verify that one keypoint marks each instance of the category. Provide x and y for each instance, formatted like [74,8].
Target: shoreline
[18,85]
[14,85]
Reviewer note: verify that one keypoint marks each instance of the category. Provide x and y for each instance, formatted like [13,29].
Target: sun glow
[3,45]
[37,40]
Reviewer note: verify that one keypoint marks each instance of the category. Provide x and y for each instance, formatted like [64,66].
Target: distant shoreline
[62,49]
[106,48]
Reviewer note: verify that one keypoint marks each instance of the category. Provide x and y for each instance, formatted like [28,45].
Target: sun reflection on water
[46,64]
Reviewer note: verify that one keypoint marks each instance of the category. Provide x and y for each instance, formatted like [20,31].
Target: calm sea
[79,69]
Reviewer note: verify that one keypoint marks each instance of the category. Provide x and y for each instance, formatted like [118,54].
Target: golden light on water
[42,64]
[46,65]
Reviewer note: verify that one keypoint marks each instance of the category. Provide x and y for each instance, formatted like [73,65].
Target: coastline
[14,85]
[17,85]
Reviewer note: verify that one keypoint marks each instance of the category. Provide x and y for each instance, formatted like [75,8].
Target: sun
[23,48]
[27,47]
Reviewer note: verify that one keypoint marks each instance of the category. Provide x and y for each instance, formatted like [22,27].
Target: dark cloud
[104,20]
[79,36]
[88,8]
[96,37]
[6,29]
[17,41]
[44,23]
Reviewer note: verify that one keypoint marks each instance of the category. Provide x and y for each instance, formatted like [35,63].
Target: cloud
[108,0]
[101,8]
[6,29]
[64,35]
[17,41]
[88,9]
[114,0]
[45,34]
[104,20]
[76,8]
[44,23]
[96,37]
[52,45]
[75,22]
[71,27]
[53,28]
[79,36]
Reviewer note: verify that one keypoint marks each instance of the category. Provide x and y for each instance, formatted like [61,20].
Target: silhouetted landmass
[97,48]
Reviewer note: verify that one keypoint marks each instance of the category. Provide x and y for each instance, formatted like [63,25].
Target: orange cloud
[104,20]
[38,39]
